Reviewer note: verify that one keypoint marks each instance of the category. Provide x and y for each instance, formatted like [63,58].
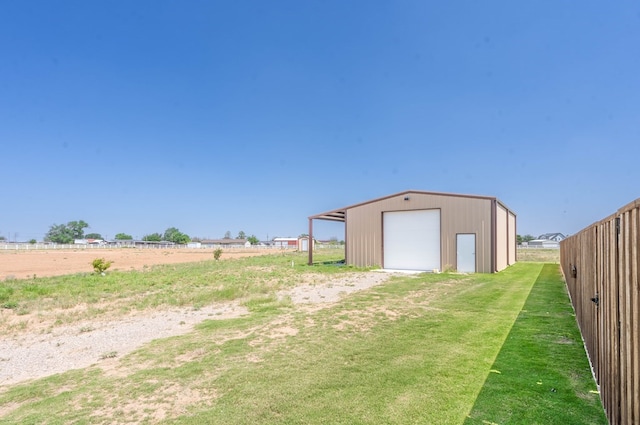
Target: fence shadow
[541,374]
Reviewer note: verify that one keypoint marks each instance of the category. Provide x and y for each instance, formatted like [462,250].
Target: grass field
[426,349]
[538,255]
[71,298]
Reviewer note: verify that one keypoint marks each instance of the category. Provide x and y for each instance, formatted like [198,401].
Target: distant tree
[33,241]
[253,240]
[526,238]
[174,235]
[303,235]
[59,233]
[3,238]
[227,235]
[241,235]
[66,233]
[93,236]
[153,237]
[196,239]
[123,237]
[77,228]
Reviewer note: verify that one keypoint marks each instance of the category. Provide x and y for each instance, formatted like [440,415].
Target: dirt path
[33,354]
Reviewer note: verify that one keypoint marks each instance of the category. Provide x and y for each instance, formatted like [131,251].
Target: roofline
[339,214]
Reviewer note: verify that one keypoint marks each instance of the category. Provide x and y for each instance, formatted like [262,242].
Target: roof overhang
[335,215]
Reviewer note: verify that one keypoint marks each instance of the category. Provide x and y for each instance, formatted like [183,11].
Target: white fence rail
[42,246]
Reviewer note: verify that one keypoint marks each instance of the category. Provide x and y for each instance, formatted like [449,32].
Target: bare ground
[38,353]
[21,264]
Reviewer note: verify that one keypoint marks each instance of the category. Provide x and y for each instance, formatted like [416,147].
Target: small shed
[427,231]
[303,243]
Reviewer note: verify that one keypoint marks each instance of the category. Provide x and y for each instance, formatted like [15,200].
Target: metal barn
[427,231]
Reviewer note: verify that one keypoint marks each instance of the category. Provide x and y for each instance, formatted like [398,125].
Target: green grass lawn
[541,375]
[416,350]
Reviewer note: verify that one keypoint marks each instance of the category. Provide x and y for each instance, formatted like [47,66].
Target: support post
[310,241]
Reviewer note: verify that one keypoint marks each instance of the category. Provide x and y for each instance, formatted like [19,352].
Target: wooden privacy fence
[601,265]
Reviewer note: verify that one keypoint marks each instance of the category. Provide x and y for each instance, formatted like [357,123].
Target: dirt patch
[167,401]
[326,289]
[32,354]
[42,263]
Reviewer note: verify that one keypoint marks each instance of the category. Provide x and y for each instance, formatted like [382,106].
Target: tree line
[68,233]
[525,238]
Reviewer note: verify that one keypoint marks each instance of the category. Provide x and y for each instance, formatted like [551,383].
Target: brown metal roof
[340,213]
[335,215]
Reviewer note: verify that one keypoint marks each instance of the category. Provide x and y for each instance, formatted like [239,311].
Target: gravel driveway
[32,355]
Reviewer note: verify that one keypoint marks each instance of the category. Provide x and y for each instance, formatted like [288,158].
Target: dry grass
[539,255]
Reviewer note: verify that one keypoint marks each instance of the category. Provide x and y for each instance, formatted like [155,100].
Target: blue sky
[215,116]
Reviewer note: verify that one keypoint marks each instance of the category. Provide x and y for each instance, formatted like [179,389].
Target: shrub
[217,253]
[11,305]
[100,265]
[5,293]
[448,268]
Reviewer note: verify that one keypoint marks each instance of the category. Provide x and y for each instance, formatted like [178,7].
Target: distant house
[225,243]
[137,243]
[557,237]
[543,243]
[285,242]
[88,242]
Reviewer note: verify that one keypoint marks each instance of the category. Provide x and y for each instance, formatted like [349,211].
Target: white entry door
[411,240]
[466,252]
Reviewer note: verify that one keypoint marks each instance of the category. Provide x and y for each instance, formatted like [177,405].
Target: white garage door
[411,240]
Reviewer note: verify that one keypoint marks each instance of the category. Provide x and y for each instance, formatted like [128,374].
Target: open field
[296,344]
[42,263]
[538,255]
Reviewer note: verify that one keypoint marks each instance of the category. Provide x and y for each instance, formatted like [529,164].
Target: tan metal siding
[363,239]
[458,215]
[501,238]
[512,239]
